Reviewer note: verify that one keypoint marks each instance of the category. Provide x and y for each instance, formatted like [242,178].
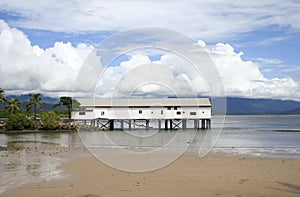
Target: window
[102,113]
[202,112]
[161,112]
[81,113]
[175,108]
[193,113]
[140,111]
[169,108]
[178,113]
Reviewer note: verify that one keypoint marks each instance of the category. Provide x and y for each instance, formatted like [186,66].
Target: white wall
[147,113]
[88,115]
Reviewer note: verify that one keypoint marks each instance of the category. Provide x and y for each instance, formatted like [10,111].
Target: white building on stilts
[148,113]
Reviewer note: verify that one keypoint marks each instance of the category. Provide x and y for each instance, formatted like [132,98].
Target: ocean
[34,157]
[276,136]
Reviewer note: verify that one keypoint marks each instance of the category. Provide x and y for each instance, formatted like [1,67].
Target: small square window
[140,111]
[169,108]
[178,113]
[102,113]
[82,113]
[193,113]
[175,108]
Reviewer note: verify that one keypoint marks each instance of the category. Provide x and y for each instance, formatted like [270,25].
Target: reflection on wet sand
[29,161]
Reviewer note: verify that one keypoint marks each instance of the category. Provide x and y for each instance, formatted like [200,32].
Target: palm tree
[13,106]
[2,96]
[35,103]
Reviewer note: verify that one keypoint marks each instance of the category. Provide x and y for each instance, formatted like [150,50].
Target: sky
[253,45]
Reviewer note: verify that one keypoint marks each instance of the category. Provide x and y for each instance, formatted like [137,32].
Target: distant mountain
[261,106]
[47,102]
[234,105]
[26,97]
[294,111]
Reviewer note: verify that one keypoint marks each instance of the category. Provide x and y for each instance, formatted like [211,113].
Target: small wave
[261,152]
[287,130]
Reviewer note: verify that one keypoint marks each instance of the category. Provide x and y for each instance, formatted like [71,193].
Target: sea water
[276,136]
[251,135]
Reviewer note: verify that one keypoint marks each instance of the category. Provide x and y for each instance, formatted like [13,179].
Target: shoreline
[25,131]
[212,175]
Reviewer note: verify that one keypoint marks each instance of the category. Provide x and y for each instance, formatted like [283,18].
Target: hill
[47,102]
[234,105]
[261,106]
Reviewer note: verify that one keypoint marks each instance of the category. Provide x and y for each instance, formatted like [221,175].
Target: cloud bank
[25,68]
[206,19]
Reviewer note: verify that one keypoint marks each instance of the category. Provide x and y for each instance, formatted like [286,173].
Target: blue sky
[272,43]
[267,33]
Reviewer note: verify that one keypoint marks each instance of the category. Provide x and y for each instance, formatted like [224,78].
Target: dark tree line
[14,105]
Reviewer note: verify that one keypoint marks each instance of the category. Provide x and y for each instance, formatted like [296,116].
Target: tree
[50,120]
[13,106]
[35,103]
[69,103]
[2,96]
[18,121]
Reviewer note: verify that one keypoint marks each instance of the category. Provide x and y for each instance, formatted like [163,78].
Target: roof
[143,102]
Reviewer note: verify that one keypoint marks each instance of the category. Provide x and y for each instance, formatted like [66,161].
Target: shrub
[4,113]
[50,120]
[18,121]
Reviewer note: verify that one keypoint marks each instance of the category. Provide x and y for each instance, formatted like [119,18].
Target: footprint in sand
[243,181]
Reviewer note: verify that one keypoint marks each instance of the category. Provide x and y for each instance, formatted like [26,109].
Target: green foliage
[4,113]
[35,103]
[75,104]
[69,103]
[61,112]
[50,120]
[13,106]
[18,121]
[2,96]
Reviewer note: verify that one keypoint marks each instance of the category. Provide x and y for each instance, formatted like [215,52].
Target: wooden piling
[111,124]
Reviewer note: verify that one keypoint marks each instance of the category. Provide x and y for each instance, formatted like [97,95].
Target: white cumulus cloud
[25,68]
[205,19]
[245,79]
[240,78]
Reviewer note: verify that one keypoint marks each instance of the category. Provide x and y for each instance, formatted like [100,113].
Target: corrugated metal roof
[142,102]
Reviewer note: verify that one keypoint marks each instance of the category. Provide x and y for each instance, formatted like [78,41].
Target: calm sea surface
[261,135]
[34,157]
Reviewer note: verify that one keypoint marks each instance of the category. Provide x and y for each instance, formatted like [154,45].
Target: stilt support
[129,124]
[147,124]
[166,124]
[122,124]
[159,124]
[111,124]
[184,124]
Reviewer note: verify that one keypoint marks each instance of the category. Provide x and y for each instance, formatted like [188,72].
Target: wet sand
[213,175]
[24,131]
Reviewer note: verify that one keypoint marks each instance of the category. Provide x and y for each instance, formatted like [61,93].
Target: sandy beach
[213,175]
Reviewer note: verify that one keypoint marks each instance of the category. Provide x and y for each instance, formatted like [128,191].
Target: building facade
[168,113]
